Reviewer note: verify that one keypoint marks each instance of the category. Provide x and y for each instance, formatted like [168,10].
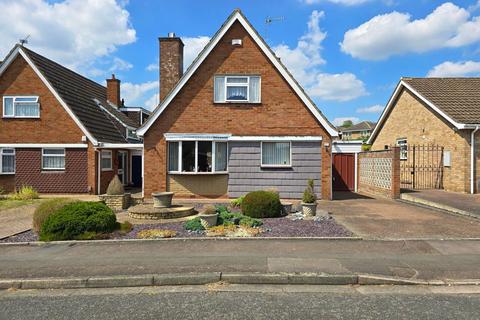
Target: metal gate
[421,167]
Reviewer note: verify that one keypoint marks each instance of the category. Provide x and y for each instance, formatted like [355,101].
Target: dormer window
[131,134]
[237,89]
[21,107]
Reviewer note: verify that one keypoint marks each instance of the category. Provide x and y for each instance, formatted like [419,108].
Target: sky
[347,54]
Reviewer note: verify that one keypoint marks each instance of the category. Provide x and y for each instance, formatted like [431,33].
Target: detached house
[61,132]
[357,132]
[441,116]
[234,122]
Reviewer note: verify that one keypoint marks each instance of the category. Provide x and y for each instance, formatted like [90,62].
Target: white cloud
[396,33]
[304,62]
[342,2]
[152,67]
[134,93]
[152,102]
[455,69]
[120,65]
[339,121]
[74,33]
[373,109]
[192,48]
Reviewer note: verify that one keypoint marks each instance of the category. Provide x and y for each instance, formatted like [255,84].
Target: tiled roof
[458,98]
[82,96]
[361,126]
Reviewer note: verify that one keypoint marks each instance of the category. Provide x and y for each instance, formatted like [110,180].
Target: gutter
[472,160]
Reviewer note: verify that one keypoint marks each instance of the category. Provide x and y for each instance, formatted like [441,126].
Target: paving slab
[16,220]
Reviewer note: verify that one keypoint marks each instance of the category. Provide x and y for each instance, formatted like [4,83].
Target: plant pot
[162,199]
[210,219]
[309,209]
[286,208]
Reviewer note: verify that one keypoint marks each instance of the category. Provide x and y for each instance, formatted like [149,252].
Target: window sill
[238,102]
[7,173]
[198,173]
[106,170]
[13,117]
[276,166]
[52,171]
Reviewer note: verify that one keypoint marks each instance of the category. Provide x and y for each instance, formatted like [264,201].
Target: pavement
[16,220]
[376,218]
[223,301]
[460,203]
[302,261]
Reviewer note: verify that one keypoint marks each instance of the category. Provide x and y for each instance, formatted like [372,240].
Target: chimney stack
[171,63]
[113,91]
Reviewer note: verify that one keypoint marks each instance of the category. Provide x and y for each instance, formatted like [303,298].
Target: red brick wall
[7,182]
[193,111]
[55,124]
[107,176]
[71,180]
[171,64]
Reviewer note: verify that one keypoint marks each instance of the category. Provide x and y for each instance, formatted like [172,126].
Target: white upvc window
[131,134]
[106,160]
[53,159]
[237,89]
[197,157]
[402,143]
[7,161]
[21,107]
[276,154]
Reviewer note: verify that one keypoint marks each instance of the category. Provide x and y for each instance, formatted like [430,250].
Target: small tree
[115,187]
[347,123]
[309,193]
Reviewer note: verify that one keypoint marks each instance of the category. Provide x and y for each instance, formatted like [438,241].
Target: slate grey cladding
[246,173]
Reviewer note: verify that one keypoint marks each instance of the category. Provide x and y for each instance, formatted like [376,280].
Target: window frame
[110,153]
[13,116]
[246,84]
[196,172]
[131,134]
[403,148]
[262,165]
[1,160]
[54,155]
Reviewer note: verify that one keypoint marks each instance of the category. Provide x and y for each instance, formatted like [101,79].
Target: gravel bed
[272,227]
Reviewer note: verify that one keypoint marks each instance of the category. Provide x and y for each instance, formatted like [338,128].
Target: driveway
[373,218]
[16,220]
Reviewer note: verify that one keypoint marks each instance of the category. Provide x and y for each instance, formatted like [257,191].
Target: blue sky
[348,54]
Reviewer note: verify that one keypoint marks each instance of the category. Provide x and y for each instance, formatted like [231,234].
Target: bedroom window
[241,89]
[197,156]
[21,107]
[106,160]
[276,154]
[53,159]
[7,161]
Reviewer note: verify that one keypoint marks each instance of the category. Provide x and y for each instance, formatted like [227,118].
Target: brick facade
[171,64]
[113,91]
[412,119]
[280,113]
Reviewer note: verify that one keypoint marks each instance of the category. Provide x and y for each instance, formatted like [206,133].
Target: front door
[344,172]
[122,166]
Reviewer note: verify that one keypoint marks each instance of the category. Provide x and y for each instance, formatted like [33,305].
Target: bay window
[7,161]
[241,89]
[276,154]
[53,159]
[197,156]
[21,107]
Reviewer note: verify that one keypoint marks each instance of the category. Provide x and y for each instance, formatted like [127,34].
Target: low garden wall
[379,173]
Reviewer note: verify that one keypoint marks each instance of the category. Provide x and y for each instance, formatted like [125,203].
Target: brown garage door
[343,172]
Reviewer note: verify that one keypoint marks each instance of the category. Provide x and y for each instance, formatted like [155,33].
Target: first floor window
[276,154]
[7,160]
[243,89]
[197,156]
[53,159]
[106,160]
[21,107]
[402,143]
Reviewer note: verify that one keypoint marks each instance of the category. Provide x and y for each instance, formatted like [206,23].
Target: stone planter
[162,199]
[286,208]
[116,202]
[309,209]
[211,219]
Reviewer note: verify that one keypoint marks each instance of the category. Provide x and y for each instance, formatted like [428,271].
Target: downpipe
[472,160]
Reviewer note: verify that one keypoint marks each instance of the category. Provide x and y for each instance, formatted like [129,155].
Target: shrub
[126,227]
[209,210]
[309,193]
[194,225]
[262,204]
[45,209]
[78,219]
[115,187]
[235,218]
[156,233]
[366,147]
[237,203]
[25,193]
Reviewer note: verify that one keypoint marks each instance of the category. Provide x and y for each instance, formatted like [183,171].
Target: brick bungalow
[436,111]
[357,132]
[61,132]
[234,122]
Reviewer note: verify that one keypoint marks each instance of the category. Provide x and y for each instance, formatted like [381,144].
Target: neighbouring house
[435,123]
[61,132]
[358,132]
[234,122]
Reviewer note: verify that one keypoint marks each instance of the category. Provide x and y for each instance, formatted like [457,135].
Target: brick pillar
[395,191]
[113,91]
[171,63]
